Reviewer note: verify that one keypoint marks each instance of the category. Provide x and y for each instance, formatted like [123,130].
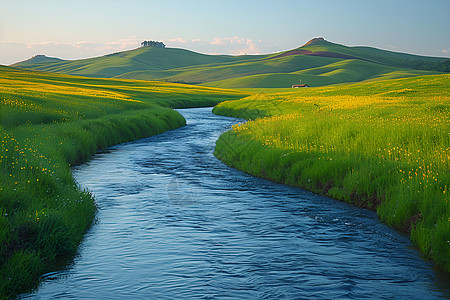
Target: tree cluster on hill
[153,44]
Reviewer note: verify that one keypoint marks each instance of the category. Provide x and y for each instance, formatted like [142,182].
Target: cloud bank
[224,45]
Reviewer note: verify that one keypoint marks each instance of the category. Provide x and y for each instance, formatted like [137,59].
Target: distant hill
[40,59]
[317,63]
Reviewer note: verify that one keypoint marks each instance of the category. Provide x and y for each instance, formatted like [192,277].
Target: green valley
[372,130]
[317,63]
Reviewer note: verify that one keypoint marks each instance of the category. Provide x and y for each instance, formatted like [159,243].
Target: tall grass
[383,146]
[49,122]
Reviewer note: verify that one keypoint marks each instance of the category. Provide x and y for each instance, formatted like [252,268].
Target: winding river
[176,223]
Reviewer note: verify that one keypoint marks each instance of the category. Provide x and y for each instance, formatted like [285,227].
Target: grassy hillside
[381,145]
[210,73]
[142,59]
[49,122]
[317,63]
[343,71]
[42,59]
[404,60]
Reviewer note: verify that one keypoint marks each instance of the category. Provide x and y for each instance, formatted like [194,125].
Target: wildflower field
[381,145]
[47,123]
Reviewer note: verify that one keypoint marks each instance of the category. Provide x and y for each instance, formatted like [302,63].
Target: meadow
[49,122]
[380,145]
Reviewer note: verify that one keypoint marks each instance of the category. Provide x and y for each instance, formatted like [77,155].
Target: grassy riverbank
[381,145]
[49,122]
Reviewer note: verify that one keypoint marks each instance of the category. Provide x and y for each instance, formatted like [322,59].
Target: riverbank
[49,122]
[381,145]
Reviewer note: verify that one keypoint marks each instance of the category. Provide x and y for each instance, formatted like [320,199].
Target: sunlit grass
[49,122]
[381,145]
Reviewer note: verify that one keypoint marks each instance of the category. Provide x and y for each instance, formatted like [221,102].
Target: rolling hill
[318,63]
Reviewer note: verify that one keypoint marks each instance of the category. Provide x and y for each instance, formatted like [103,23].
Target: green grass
[381,145]
[247,71]
[49,122]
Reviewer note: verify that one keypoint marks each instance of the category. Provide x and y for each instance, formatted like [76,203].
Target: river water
[176,223]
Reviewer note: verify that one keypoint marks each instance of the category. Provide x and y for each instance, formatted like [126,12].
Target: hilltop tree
[153,44]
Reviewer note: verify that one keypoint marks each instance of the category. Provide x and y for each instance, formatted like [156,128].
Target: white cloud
[217,41]
[236,45]
[178,40]
[222,45]
[228,41]
[251,48]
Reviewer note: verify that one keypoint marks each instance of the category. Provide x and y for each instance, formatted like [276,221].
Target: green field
[382,145]
[317,63]
[49,122]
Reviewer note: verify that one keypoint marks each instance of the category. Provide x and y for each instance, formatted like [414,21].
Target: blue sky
[79,29]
